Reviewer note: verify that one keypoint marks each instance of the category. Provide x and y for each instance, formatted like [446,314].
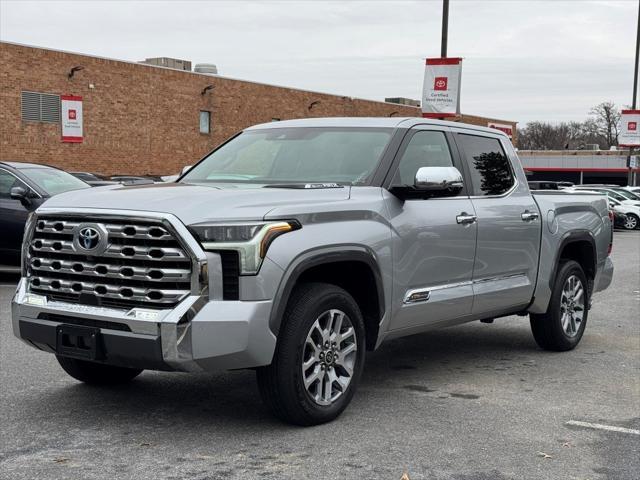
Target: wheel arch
[579,246]
[353,268]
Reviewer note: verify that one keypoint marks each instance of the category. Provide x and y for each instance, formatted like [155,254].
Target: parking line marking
[599,426]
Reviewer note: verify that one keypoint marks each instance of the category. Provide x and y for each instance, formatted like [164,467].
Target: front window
[295,155]
[54,181]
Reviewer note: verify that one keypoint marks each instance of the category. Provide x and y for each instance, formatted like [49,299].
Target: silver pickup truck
[296,246]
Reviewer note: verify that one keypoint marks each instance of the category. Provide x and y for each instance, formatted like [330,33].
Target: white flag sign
[441,88]
[71,113]
[629,129]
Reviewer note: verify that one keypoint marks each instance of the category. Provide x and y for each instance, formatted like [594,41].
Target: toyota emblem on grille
[88,238]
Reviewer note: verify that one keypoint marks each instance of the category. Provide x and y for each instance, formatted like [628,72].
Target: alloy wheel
[329,357]
[572,305]
[631,222]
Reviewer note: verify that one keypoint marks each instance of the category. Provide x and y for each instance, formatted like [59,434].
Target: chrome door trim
[423,294]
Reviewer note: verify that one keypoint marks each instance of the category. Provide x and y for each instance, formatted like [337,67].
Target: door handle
[528,216]
[464,218]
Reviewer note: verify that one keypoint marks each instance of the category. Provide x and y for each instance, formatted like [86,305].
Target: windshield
[54,181]
[295,155]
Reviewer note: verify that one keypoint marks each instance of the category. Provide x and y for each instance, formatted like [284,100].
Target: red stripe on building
[72,139]
[71,97]
[630,112]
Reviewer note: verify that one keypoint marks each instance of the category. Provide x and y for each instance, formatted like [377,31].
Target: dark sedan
[23,188]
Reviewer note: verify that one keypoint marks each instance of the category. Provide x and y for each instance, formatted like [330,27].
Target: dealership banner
[441,87]
[508,129]
[71,118]
[629,129]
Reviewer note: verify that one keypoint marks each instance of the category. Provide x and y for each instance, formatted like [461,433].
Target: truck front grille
[140,263]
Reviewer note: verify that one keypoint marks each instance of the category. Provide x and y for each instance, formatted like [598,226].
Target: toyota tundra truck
[296,246]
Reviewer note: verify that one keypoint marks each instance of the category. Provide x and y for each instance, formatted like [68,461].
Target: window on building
[205,121]
[425,149]
[489,166]
[40,107]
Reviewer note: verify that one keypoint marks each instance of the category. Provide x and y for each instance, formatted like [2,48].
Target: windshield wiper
[304,186]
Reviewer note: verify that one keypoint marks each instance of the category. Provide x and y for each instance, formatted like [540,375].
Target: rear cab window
[489,166]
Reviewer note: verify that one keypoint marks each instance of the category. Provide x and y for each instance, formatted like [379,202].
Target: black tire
[632,222]
[97,373]
[547,328]
[281,383]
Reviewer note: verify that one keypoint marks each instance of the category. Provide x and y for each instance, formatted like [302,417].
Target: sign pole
[631,175]
[445,30]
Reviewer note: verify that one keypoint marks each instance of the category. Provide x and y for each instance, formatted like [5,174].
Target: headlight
[250,240]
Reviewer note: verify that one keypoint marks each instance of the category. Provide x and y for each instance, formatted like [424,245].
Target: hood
[197,203]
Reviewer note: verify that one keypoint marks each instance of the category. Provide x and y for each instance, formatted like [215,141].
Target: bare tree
[607,120]
[601,128]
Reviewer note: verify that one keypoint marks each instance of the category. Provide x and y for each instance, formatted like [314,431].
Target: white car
[631,211]
[628,199]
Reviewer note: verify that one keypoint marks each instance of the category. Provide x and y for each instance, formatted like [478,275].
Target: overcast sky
[523,60]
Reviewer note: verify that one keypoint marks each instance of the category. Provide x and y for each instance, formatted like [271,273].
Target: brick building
[145,119]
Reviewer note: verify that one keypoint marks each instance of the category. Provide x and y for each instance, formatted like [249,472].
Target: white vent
[40,107]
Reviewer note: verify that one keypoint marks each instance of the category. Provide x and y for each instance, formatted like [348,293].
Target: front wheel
[318,359]
[631,222]
[562,326]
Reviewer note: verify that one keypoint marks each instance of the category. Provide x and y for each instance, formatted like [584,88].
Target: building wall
[141,119]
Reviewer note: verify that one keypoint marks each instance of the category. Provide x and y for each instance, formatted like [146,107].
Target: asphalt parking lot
[473,402]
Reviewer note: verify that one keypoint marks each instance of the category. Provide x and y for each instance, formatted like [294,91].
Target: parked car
[543,185]
[93,179]
[131,179]
[618,211]
[294,247]
[23,188]
[635,190]
[631,213]
[625,198]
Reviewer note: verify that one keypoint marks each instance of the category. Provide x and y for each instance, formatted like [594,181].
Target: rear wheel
[319,357]
[631,222]
[562,326]
[97,373]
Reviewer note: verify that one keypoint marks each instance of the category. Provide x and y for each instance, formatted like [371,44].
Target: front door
[506,265]
[433,253]
[13,216]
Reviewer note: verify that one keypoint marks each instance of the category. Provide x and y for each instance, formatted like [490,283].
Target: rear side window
[490,169]
[425,149]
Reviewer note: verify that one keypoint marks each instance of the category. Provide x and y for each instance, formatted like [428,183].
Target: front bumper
[199,334]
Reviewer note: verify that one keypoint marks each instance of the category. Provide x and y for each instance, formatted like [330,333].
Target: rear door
[506,264]
[432,253]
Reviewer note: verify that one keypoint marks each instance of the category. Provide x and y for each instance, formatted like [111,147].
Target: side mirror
[185,169]
[19,193]
[431,182]
[24,195]
[438,180]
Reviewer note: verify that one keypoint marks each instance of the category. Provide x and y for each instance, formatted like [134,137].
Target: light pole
[445,28]
[631,175]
